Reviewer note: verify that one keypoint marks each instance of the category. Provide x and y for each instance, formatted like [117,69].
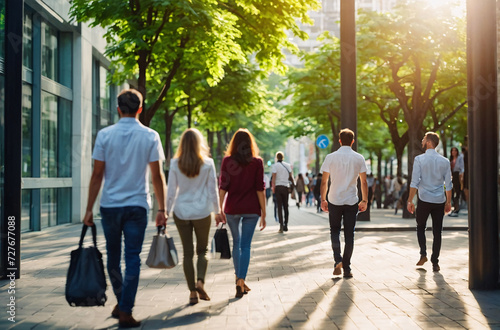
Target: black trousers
[281,193]
[457,191]
[436,212]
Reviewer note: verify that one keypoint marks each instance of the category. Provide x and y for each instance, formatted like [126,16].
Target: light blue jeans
[242,227]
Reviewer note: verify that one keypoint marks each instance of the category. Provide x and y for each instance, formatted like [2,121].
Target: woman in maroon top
[242,179]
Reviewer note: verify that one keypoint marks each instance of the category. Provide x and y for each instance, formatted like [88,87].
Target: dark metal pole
[348,109]
[483,144]
[11,226]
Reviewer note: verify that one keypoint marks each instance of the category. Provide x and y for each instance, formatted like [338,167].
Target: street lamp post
[482,144]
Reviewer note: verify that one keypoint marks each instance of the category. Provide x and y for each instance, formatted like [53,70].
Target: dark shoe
[116,312]
[422,260]
[128,321]
[203,295]
[281,229]
[347,273]
[453,214]
[436,268]
[240,288]
[338,269]
[285,228]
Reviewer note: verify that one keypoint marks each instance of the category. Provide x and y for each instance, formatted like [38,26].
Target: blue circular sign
[322,141]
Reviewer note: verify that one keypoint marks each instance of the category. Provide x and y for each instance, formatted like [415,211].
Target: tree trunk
[378,189]
[168,118]
[210,141]
[189,112]
[220,143]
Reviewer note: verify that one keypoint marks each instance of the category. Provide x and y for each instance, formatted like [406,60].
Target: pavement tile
[291,279]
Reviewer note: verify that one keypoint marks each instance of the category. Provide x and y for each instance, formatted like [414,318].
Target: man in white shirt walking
[123,155]
[431,175]
[280,182]
[343,167]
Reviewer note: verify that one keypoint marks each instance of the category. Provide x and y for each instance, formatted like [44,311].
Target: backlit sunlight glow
[460,5]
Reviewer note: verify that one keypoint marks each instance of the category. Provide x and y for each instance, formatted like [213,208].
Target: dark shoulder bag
[86,282]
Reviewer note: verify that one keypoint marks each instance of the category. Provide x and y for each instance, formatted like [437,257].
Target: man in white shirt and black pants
[431,175]
[343,167]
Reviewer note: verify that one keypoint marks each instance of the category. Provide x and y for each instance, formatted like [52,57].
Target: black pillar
[483,144]
[348,116]
[11,225]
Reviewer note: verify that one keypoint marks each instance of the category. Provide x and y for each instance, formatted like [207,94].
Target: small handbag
[291,182]
[162,253]
[85,281]
[220,243]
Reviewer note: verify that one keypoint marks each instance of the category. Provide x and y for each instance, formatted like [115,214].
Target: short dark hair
[129,101]
[433,137]
[346,137]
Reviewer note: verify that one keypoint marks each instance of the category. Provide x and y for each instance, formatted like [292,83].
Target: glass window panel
[48,166]
[63,205]
[48,209]
[64,130]
[104,94]
[26,210]
[27,131]
[50,58]
[28,41]
[2,30]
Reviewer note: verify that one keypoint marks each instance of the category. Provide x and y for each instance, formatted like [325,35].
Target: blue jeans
[132,222]
[242,227]
[348,212]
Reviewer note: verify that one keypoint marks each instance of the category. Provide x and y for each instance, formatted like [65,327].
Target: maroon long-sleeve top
[242,183]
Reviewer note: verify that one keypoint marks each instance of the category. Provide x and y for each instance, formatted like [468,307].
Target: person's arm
[415,180]
[447,206]
[262,202]
[94,187]
[273,182]
[159,186]
[410,206]
[214,194]
[222,218]
[449,186]
[324,188]
[364,192]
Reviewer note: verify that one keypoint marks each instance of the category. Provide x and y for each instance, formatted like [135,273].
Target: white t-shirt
[282,171]
[344,166]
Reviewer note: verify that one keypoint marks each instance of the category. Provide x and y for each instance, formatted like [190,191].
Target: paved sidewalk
[291,280]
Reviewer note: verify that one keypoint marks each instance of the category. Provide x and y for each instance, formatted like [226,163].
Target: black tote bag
[221,242]
[86,282]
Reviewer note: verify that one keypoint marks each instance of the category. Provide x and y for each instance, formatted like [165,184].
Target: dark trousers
[281,193]
[348,213]
[457,191]
[437,213]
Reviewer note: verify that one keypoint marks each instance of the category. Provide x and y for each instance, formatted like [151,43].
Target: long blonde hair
[191,151]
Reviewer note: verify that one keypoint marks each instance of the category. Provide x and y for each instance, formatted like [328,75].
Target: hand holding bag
[221,242]
[86,282]
[162,253]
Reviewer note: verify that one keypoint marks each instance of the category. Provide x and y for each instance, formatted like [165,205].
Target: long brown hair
[242,147]
[191,151]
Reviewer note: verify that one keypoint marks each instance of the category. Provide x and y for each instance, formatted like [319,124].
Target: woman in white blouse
[192,195]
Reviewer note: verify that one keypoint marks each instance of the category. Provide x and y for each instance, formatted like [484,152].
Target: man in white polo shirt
[122,155]
[431,176]
[343,167]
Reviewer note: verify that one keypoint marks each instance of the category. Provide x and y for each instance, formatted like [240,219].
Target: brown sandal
[203,295]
